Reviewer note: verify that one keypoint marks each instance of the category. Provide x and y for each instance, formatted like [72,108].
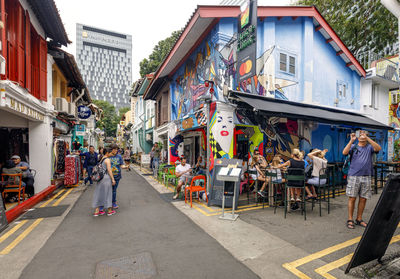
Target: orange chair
[196,188]
[9,180]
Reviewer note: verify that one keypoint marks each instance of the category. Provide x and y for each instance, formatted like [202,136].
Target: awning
[281,108]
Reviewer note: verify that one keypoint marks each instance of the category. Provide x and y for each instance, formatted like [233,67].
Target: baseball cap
[15,157]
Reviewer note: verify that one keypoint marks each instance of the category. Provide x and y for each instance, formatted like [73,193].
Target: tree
[364,25]
[110,119]
[123,110]
[160,51]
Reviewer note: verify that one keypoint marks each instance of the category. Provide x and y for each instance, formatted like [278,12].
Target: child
[102,197]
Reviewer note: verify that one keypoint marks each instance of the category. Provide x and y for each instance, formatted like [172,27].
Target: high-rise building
[105,60]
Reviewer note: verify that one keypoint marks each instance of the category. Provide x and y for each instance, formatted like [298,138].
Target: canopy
[281,108]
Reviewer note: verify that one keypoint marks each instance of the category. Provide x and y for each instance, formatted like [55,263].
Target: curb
[15,212]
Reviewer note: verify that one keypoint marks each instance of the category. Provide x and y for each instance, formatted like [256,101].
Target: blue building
[304,92]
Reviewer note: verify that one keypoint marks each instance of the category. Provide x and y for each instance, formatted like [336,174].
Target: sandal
[350,224]
[361,223]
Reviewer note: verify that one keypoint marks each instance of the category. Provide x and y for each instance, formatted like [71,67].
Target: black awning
[281,108]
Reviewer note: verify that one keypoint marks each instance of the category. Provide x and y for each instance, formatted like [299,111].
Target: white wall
[381,112]
[40,150]
[11,120]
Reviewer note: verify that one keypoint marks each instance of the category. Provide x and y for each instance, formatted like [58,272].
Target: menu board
[3,219]
[217,186]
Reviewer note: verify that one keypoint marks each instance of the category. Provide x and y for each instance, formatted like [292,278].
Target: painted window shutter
[20,45]
[11,41]
[28,72]
[164,107]
[43,70]
[3,34]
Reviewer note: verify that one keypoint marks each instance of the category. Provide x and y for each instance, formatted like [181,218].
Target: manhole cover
[45,212]
[140,266]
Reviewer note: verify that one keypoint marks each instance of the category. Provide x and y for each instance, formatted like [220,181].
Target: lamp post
[207,98]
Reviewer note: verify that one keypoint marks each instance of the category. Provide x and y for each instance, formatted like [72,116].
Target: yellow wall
[60,88]
[128,117]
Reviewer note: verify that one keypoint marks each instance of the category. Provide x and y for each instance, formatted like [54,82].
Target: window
[374,96]
[341,90]
[287,63]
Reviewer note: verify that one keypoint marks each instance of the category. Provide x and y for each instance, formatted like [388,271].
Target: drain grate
[140,266]
[44,212]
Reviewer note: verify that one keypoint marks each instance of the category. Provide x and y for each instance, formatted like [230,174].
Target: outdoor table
[384,168]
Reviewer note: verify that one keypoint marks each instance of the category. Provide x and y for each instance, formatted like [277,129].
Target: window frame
[289,56]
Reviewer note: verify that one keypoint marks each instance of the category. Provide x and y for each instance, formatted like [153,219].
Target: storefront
[26,124]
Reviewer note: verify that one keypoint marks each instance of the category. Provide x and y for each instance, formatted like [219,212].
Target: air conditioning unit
[72,109]
[62,105]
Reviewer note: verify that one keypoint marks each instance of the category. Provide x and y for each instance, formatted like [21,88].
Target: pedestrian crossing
[19,230]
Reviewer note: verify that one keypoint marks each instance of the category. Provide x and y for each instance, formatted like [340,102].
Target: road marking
[323,270]
[292,266]
[16,241]
[52,198]
[28,230]
[11,231]
[63,197]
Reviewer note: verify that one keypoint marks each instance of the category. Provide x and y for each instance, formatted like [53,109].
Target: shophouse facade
[26,109]
[304,93]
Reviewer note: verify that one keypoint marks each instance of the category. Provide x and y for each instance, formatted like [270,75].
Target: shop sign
[80,130]
[84,112]
[247,40]
[24,109]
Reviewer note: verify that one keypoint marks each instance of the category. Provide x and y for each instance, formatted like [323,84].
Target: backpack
[308,171]
[347,161]
[92,159]
[98,172]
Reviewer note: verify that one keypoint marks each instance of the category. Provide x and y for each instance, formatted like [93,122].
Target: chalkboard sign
[381,226]
[3,219]
[217,187]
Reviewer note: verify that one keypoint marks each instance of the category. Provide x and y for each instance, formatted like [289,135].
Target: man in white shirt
[181,172]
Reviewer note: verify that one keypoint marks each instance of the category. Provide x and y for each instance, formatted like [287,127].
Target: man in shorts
[181,172]
[359,176]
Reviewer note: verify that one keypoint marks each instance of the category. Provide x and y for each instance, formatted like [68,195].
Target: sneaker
[101,212]
[115,205]
[295,206]
[175,197]
[262,194]
[112,212]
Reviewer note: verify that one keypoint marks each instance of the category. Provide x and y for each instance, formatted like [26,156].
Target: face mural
[221,131]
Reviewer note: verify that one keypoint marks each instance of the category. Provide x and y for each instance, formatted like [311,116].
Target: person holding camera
[359,175]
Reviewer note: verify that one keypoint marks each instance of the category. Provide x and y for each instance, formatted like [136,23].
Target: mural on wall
[394,121]
[221,131]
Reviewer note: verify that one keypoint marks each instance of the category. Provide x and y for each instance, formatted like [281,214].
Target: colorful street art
[221,131]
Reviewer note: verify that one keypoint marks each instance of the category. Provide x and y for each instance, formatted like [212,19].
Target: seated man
[181,172]
[27,176]
[200,167]
[10,168]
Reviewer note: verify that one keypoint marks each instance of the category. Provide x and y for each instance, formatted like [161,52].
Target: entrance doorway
[14,141]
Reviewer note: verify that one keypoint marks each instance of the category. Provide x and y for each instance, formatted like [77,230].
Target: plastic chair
[300,176]
[10,185]
[196,188]
[322,187]
[170,175]
[161,172]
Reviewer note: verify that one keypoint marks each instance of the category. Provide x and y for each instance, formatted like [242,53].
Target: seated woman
[319,162]
[259,165]
[296,162]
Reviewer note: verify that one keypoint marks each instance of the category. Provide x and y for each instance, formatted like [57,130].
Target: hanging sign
[247,41]
[84,112]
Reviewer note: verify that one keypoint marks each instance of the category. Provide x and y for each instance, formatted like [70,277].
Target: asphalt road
[144,223]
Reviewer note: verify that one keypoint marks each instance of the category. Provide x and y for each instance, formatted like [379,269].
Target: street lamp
[207,98]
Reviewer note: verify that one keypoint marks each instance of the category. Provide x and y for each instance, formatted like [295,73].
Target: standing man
[91,160]
[116,164]
[156,158]
[27,176]
[359,176]
[181,172]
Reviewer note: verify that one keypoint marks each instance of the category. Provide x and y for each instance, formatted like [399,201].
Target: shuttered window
[43,70]
[28,66]
[21,45]
[164,107]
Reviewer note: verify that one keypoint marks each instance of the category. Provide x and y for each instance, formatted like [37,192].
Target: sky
[148,21]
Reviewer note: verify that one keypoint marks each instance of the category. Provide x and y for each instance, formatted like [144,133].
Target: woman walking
[102,197]
[127,158]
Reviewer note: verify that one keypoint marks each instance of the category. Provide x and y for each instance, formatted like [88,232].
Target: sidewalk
[144,223]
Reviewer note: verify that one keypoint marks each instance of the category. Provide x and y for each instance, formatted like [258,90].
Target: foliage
[123,110]
[110,119]
[160,51]
[363,26]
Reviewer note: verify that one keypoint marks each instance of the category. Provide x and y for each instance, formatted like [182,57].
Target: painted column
[40,150]
[306,72]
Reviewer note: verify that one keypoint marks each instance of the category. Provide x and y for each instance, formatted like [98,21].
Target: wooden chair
[10,185]
[196,188]
[296,177]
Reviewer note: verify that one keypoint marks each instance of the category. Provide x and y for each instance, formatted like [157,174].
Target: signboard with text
[247,41]
[84,112]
